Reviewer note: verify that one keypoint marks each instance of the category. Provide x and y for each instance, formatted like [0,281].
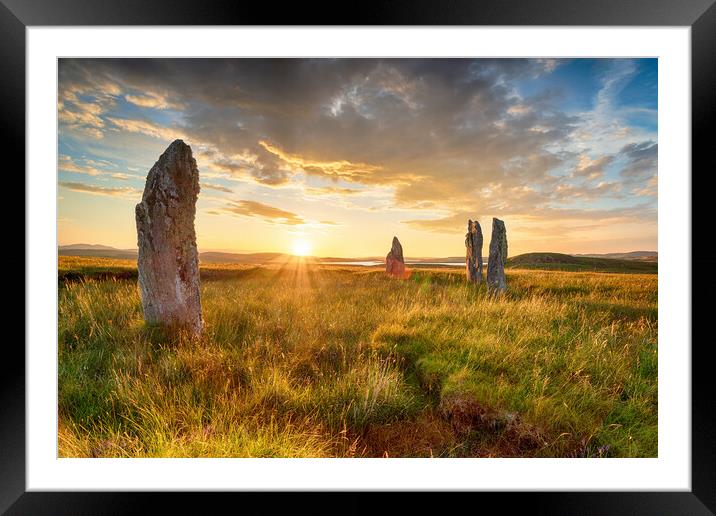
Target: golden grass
[303,360]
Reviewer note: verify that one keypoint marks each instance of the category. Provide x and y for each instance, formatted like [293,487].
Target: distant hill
[103,251]
[567,262]
[647,256]
[98,247]
[95,250]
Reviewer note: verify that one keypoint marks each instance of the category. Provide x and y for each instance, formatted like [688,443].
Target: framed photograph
[417,253]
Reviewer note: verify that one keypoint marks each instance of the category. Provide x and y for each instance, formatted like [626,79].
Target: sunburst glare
[301,247]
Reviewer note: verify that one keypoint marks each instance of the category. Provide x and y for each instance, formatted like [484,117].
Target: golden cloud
[153,101]
[268,213]
[67,164]
[219,188]
[126,192]
[337,169]
[148,128]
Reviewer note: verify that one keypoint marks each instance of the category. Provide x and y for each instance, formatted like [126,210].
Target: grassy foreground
[304,360]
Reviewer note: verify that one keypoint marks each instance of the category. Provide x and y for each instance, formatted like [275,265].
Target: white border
[670,471]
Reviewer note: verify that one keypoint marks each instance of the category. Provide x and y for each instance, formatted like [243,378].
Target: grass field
[328,361]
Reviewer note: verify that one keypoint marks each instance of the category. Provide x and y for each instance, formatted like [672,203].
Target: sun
[301,247]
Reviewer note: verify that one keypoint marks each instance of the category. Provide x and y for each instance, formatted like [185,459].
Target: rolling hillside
[566,262]
[647,256]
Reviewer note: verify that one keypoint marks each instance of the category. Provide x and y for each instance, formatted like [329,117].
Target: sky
[333,157]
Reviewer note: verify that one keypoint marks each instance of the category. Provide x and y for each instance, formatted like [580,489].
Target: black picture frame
[700,15]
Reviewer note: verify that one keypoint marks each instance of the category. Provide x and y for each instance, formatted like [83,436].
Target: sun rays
[301,247]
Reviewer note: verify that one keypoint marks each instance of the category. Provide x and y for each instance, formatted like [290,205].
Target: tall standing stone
[394,262]
[473,248]
[168,261]
[498,256]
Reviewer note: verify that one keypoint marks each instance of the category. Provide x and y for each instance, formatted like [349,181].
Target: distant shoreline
[529,261]
[102,251]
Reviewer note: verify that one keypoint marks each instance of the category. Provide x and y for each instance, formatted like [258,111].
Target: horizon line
[245,252]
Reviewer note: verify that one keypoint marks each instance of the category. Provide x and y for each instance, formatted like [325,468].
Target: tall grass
[311,361]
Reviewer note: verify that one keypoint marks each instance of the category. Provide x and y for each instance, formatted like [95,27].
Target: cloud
[330,190]
[212,186]
[67,164]
[81,117]
[445,139]
[455,223]
[149,128]
[125,192]
[82,123]
[89,167]
[152,100]
[589,168]
[641,159]
[342,169]
[649,189]
[588,191]
[83,98]
[606,127]
[269,214]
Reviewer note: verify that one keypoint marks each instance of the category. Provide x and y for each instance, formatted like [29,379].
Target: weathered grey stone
[473,247]
[498,256]
[168,261]
[394,262]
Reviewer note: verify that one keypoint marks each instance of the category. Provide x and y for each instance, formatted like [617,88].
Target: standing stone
[168,261]
[473,246]
[394,262]
[498,256]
